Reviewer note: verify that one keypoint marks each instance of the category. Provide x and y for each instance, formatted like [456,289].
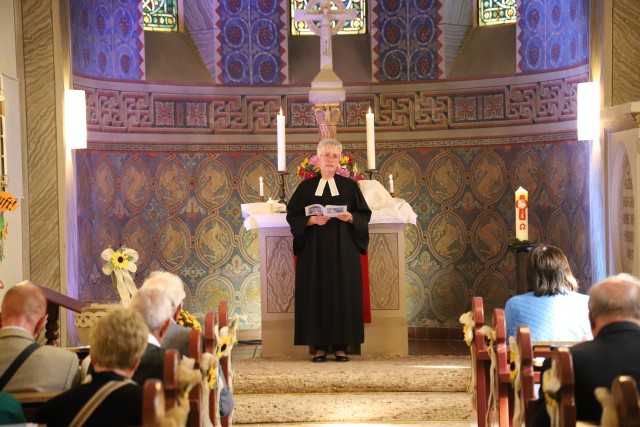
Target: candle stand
[262,198]
[281,176]
[371,172]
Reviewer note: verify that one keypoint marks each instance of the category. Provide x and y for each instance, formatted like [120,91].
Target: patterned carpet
[414,389]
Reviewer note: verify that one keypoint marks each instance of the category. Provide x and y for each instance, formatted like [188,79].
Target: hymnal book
[329,210]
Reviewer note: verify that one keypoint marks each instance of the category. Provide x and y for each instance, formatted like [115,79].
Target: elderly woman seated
[111,397]
[553,309]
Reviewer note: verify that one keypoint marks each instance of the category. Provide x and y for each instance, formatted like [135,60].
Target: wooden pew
[153,404]
[564,396]
[625,398]
[210,347]
[481,361]
[170,378]
[225,361]
[196,418]
[32,400]
[524,393]
[500,372]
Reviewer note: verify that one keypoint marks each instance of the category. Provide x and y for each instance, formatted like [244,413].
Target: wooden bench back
[481,361]
[196,393]
[526,391]
[566,395]
[625,398]
[210,347]
[170,378]
[153,403]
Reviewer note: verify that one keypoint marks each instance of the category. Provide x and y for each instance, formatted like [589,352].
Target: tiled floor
[250,349]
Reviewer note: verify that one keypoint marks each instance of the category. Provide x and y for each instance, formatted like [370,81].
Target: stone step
[398,407]
[386,424]
[362,374]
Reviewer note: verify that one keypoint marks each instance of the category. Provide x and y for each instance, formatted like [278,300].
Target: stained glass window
[492,12]
[160,15]
[354,26]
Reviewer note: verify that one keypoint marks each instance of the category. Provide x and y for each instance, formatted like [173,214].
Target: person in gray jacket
[46,368]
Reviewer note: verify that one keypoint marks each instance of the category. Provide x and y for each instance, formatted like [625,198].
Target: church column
[45,60]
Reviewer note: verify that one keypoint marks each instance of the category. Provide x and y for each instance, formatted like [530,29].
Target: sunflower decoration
[120,265]
[209,367]
[226,337]
[310,167]
[188,320]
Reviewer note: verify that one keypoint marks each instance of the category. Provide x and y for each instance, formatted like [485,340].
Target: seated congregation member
[155,307]
[177,336]
[614,313]
[110,398]
[11,410]
[552,309]
[25,365]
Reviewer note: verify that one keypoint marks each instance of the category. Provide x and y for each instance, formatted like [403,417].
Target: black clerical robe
[328,293]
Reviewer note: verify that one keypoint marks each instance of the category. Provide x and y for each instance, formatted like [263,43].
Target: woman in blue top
[553,310]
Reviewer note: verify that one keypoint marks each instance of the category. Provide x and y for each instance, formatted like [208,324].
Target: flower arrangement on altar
[310,167]
[188,320]
[120,265]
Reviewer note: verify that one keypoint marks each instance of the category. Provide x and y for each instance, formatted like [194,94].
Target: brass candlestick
[281,176]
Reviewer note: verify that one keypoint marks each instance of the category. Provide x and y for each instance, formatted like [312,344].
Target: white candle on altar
[282,162]
[261,188]
[522,214]
[371,141]
[391,183]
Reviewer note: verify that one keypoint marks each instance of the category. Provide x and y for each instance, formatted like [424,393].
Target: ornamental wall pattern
[181,212]
[107,38]
[245,42]
[552,34]
[503,105]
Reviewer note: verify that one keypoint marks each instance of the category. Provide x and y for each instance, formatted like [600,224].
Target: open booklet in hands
[329,210]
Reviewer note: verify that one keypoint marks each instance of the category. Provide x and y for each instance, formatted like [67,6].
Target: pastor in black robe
[328,293]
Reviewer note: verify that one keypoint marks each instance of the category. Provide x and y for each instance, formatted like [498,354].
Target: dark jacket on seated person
[614,351]
[151,365]
[123,407]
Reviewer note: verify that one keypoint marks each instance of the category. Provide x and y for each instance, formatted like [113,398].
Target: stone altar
[387,333]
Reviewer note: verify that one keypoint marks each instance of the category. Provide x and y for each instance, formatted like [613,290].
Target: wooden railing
[55,300]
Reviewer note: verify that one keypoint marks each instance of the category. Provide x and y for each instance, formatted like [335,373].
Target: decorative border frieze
[127,111]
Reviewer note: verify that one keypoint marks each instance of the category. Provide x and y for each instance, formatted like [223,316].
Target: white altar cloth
[384,209]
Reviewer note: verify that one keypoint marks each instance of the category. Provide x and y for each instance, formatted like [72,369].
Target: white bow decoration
[120,264]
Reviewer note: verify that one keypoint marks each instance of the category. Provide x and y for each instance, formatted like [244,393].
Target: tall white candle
[522,214]
[371,141]
[282,162]
[261,188]
[391,183]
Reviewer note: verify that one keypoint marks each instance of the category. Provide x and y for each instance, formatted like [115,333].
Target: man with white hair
[614,314]
[155,307]
[177,336]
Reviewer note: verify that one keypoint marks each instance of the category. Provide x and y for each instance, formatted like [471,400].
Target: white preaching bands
[332,187]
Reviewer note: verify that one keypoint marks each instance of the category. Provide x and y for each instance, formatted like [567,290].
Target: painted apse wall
[168,167]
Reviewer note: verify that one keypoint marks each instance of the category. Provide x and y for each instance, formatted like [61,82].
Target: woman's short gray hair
[329,144]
